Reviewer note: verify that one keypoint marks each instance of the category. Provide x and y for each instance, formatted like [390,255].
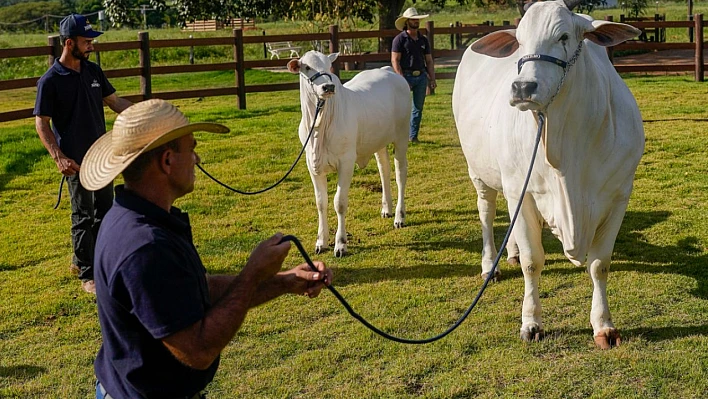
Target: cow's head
[316,69]
[549,31]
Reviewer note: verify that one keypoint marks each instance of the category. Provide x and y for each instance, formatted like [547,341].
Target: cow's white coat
[359,119]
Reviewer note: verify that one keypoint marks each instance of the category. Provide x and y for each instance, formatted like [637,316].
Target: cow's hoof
[608,339]
[532,333]
[514,260]
[320,249]
[385,214]
[495,279]
[399,224]
[340,252]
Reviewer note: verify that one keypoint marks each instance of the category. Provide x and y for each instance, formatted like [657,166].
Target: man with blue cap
[71,95]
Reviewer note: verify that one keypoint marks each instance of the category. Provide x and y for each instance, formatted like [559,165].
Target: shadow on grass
[21,372]
[19,164]
[632,253]
[629,334]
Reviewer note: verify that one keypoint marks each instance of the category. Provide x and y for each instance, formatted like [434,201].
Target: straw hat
[410,13]
[138,129]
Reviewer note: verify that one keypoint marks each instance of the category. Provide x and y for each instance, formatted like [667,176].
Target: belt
[198,395]
[413,72]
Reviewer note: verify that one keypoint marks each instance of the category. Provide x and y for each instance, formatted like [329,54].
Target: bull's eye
[564,38]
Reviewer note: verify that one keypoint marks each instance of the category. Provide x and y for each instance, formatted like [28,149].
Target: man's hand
[266,259]
[305,281]
[433,84]
[66,165]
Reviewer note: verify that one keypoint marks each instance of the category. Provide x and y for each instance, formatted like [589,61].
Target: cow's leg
[341,203]
[512,250]
[400,159]
[320,184]
[384,164]
[527,232]
[487,208]
[604,331]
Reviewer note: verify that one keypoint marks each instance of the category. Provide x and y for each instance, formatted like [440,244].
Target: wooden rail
[145,70]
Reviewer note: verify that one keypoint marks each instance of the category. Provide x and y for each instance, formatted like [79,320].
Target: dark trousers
[87,211]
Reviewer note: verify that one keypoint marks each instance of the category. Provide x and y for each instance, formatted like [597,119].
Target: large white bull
[583,177]
[359,119]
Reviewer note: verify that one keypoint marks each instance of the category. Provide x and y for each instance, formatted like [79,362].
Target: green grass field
[412,282]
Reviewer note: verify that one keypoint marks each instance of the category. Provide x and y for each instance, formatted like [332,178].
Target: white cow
[593,141]
[358,120]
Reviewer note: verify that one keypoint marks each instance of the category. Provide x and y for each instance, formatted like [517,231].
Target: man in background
[411,58]
[71,95]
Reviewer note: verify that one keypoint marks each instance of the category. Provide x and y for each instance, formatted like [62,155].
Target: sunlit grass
[412,282]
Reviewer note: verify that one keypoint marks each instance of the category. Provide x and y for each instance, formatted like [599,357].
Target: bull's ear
[499,44]
[333,57]
[611,33]
[294,65]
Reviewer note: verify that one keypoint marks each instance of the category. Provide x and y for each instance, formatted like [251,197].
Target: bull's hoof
[340,252]
[385,214]
[608,339]
[399,224]
[495,278]
[514,260]
[320,249]
[532,334]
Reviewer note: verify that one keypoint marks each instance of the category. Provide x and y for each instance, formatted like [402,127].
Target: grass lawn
[412,282]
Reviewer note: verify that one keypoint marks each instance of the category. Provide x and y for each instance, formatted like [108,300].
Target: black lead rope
[320,104]
[61,185]
[541,120]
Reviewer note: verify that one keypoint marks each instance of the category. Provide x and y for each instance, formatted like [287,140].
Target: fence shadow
[20,164]
[21,372]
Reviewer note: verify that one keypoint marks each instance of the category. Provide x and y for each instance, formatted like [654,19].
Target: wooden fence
[145,71]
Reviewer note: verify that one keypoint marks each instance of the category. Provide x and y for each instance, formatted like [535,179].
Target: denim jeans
[418,85]
[87,211]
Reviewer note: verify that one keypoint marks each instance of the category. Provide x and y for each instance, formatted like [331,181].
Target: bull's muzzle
[328,88]
[523,91]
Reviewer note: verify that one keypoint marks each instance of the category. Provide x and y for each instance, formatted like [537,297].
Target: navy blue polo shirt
[412,51]
[74,101]
[150,284]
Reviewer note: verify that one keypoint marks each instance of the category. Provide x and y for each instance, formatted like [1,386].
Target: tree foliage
[14,16]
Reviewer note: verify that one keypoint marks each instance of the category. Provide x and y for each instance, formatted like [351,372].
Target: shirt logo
[95,83]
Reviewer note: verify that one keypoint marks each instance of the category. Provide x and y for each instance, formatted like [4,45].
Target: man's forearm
[272,288]
[47,137]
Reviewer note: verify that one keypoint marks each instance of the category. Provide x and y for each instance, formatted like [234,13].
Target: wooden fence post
[240,69]
[55,45]
[145,72]
[690,18]
[334,45]
[430,28]
[610,49]
[698,21]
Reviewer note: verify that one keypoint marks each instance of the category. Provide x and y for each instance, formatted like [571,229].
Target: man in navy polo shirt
[164,320]
[71,95]
[411,58]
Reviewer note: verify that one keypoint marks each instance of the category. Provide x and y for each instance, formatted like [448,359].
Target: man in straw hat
[164,320]
[71,95]
[411,58]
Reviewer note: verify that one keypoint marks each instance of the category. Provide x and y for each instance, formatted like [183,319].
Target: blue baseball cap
[77,25]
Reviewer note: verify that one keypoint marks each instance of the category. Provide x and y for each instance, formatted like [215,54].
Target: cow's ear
[611,33]
[294,65]
[332,57]
[497,44]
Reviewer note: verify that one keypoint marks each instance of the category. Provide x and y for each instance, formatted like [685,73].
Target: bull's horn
[572,3]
